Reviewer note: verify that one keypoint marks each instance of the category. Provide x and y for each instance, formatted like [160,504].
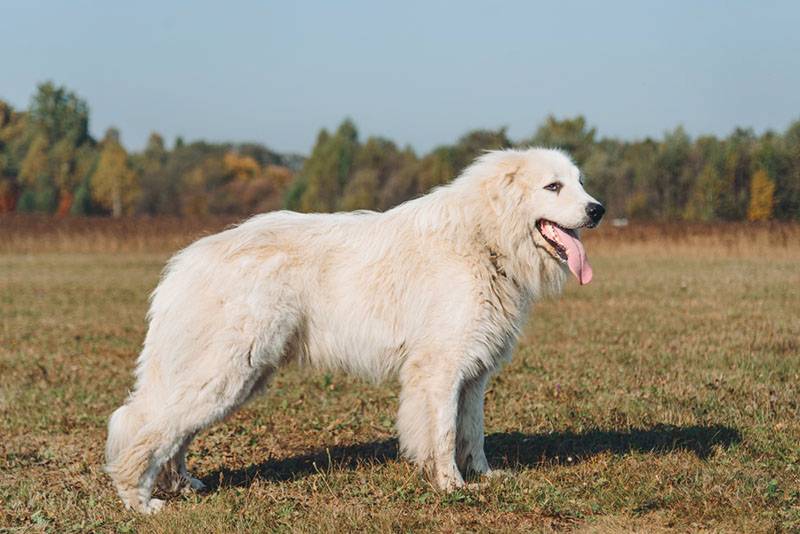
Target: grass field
[663,396]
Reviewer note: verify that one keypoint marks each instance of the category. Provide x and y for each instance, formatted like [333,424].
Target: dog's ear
[510,176]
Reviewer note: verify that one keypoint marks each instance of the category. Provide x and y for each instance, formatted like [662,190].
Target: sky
[419,73]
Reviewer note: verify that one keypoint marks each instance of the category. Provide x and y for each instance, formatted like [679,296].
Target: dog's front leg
[444,400]
[427,421]
[470,456]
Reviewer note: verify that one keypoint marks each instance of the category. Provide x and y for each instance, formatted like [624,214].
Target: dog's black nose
[595,212]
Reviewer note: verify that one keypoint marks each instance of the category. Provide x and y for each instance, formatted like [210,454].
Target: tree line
[50,163]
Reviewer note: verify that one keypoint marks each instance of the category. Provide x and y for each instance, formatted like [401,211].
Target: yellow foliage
[114,184]
[362,191]
[35,163]
[762,197]
[241,166]
[280,177]
[637,205]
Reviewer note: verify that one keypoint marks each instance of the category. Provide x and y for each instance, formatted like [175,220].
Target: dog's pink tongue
[576,255]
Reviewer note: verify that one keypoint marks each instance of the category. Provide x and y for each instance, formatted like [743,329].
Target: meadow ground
[663,396]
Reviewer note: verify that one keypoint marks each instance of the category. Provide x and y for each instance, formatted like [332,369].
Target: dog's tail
[123,426]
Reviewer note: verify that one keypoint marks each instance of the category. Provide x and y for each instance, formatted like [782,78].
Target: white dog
[434,291]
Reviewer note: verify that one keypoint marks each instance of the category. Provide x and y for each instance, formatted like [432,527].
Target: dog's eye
[555,187]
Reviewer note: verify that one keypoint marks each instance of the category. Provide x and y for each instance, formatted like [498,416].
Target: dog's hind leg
[470,455]
[164,435]
[175,476]
[218,369]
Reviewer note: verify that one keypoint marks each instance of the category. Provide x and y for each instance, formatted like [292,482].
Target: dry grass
[664,396]
[39,234]
[35,234]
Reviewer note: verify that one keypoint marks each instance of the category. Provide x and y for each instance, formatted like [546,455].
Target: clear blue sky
[421,73]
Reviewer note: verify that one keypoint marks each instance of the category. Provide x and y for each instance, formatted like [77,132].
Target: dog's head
[546,189]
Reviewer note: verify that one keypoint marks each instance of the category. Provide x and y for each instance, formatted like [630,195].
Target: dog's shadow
[508,450]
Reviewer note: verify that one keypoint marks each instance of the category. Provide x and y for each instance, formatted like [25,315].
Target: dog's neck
[508,242]
[458,214]
[519,259]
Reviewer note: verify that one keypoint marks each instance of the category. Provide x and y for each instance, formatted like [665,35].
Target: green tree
[671,180]
[379,154]
[377,160]
[329,168]
[311,166]
[60,118]
[159,190]
[735,173]
[476,142]
[604,176]
[788,201]
[59,113]
[703,199]
[445,162]
[82,204]
[638,174]
[572,135]
[773,154]
[13,149]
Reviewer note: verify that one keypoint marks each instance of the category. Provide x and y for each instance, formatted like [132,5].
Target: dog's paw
[192,485]
[497,473]
[487,477]
[152,506]
[449,481]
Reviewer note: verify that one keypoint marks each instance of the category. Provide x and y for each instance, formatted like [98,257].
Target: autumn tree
[361,191]
[437,168]
[50,163]
[113,184]
[35,164]
[200,186]
[39,192]
[402,182]
[251,187]
[762,197]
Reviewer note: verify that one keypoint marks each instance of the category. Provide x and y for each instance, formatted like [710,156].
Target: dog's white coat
[433,291]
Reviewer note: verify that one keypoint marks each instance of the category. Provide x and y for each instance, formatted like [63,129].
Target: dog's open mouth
[568,247]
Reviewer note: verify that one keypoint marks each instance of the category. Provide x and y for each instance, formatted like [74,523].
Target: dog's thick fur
[434,291]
